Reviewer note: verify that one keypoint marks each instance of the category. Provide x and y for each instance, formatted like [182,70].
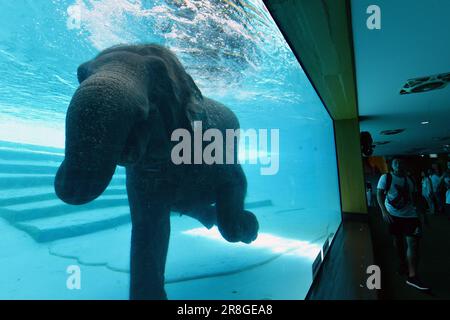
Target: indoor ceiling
[413,42]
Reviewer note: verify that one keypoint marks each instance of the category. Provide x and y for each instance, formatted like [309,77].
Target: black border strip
[316,279]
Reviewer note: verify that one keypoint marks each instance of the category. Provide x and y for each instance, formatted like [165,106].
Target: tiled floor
[434,266]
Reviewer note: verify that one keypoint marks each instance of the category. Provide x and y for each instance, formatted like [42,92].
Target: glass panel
[236,55]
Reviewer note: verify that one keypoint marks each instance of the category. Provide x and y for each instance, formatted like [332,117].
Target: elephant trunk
[99,119]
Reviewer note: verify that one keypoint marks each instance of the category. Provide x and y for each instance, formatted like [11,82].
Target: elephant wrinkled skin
[130,100]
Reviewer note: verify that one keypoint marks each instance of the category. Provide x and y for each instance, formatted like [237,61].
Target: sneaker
[416,283]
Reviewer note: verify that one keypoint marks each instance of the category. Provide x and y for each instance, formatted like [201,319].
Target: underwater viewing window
[236,55]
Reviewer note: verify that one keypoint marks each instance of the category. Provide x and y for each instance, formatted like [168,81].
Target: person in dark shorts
[395,198]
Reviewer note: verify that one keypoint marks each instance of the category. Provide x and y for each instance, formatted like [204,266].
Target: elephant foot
[244,227]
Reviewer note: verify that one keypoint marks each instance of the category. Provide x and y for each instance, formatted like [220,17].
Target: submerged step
[39,163]
[11,153]
[75,224]
[48,204]
[18,180]
[57,208]
[35,167]
[27,168]
[35,147]
[25,192]
[26,195]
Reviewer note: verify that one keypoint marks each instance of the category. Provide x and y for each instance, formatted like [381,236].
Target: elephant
[129,101]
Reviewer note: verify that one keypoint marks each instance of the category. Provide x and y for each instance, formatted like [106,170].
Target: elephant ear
[194,111]
[187,94]
[179,98]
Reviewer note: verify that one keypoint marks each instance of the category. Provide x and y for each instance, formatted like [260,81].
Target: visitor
[427,191]
[369,195]
[435,182]
[395,198]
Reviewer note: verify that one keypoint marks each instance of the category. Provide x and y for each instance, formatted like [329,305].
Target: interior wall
[319,35]
[351,176]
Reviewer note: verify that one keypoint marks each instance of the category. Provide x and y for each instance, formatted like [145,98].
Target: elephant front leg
[150,216]
[234,223]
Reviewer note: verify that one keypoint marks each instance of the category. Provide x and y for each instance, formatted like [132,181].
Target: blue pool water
[236,55]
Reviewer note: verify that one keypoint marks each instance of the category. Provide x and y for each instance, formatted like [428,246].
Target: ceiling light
[425,122]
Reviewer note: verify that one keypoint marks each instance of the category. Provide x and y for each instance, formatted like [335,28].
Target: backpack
[402,198]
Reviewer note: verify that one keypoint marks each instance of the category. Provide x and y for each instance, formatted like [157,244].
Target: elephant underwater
[129,101]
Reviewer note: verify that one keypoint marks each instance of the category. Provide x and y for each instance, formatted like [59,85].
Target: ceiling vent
[381,143]
[425,84]
[441,139]
[392,132]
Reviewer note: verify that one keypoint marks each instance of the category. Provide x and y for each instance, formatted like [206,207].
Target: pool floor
[42,237]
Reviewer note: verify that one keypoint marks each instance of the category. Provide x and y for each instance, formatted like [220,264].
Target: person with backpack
[395,198]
